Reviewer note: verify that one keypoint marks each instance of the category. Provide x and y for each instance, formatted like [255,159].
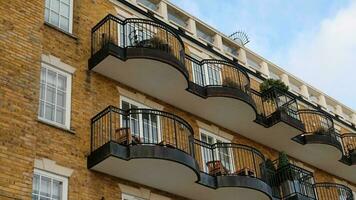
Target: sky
[314,40]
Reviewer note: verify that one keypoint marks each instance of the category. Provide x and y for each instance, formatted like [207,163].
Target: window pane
[62,82]
[45,186]
[61,99]
[51,77]
[44,198]
[64,10]
[41,109]
[42,91]
[35,184]
[57,190]
[54,18]
[49,112]
[34,197]
[125,105]
[50,94]
[65,1]
[60,115]
[64,24]
[55,5]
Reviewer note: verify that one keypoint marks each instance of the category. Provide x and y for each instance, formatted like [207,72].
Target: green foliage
[282,160]
[270,166]
[228,82]
[269,83]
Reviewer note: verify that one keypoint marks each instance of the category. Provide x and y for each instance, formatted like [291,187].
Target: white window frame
[70,23]
[62,179]
[216,154]
[205,70]
[139,105]
[66,124]
[125,196]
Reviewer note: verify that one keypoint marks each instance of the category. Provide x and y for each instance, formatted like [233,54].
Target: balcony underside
[173,171]
[169,82]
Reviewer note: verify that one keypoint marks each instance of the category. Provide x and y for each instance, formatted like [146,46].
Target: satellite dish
[241,37]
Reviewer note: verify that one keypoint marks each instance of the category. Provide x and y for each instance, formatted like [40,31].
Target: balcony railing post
[127,128]
[110,124]
[91,136]
[175,132]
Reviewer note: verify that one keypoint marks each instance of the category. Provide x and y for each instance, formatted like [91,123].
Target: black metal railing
[349,143]
[140,126]
[318,123]
[290,182]
[136,33]
[332,191]
[229,159]
[273,100]
[217,73]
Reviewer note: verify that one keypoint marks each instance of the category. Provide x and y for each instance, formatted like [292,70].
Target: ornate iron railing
[140,126]
[349,143]
[136,33]
[332,191]
[290,182]
[229,159]
[217,73]
[273,100]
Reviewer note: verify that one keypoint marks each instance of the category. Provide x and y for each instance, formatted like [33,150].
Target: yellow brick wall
[23,39]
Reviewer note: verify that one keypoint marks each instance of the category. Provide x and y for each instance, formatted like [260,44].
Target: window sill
[60,30]
[56,126]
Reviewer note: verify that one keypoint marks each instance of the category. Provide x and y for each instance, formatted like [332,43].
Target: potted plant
[321,131]
[273,83]
[285,175]
[228,82]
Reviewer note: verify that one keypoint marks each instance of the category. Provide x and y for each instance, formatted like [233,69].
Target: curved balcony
[349,144]
[150,147]
[232,169]
[332,191]
[157,149]
[319,131]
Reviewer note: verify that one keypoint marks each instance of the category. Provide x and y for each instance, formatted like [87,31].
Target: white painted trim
[57,63]
[52,167]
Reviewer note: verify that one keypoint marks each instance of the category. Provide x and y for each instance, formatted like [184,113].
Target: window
[55,94]
[177,19]
[149,4]
[130,197]
[206,74]
[142,124]
[59,13]
[253,64]
[205,36]
[229,49]
[47,186]
[221,153]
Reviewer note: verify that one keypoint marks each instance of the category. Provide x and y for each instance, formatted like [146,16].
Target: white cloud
[326,56]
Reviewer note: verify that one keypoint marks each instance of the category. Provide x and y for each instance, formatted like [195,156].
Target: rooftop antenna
[241,37]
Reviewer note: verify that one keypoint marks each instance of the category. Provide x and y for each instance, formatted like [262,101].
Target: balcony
[291,182]
[349,144]
[332,191]
[320,135]
[157,149]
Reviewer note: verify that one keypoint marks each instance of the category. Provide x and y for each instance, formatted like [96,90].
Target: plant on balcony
[285,175]
[321,131]
[228,82]
[273,83]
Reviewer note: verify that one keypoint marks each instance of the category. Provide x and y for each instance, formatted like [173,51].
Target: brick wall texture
[24,37]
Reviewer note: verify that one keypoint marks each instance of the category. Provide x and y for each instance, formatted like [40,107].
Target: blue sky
[313,39]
